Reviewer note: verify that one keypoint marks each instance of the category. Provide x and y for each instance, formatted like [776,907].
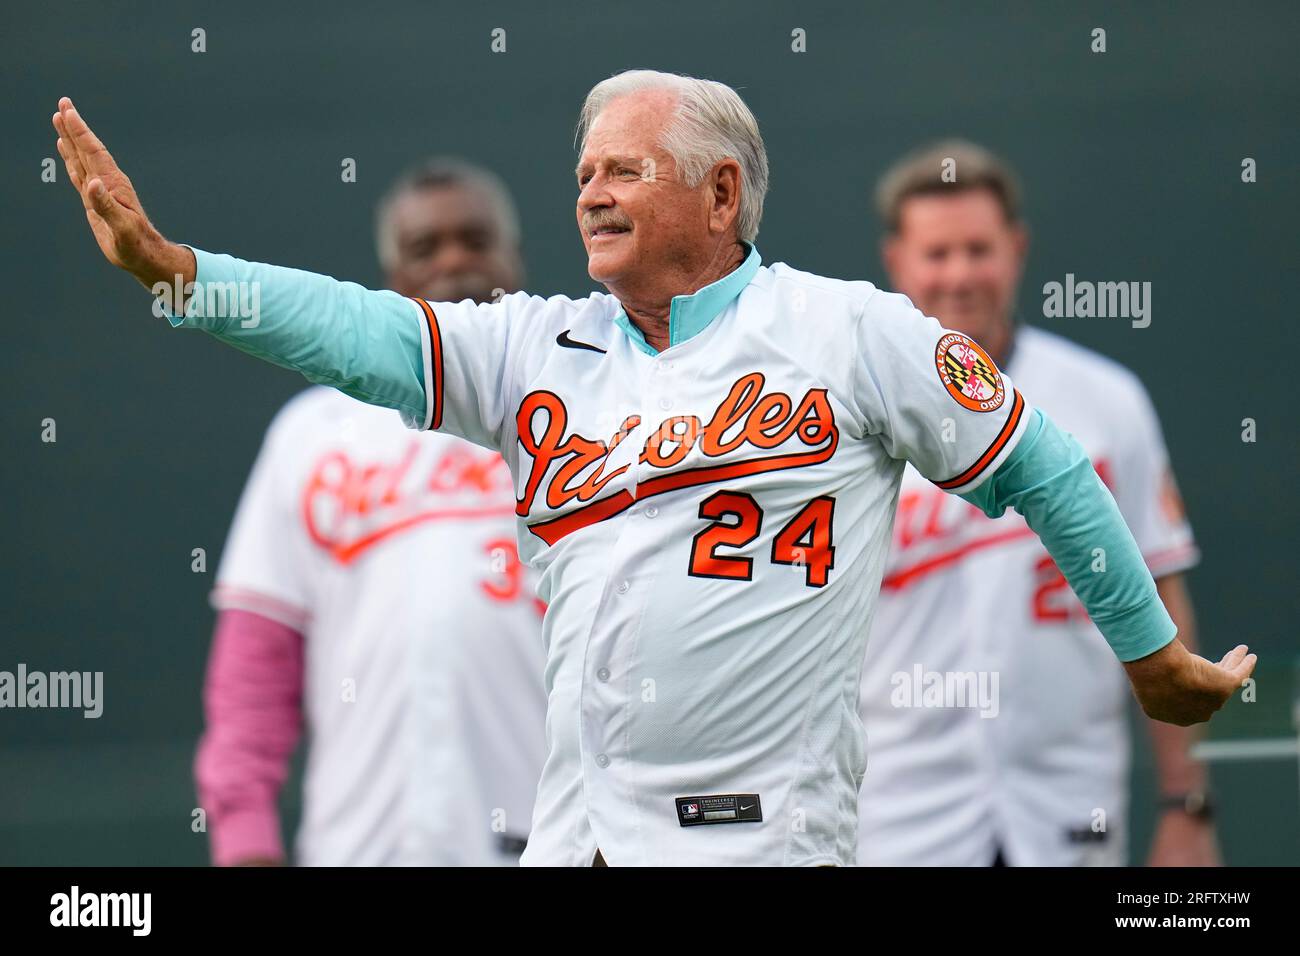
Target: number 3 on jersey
[737,519]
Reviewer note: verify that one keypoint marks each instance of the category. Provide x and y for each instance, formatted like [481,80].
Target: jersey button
[602,675]
[651,512]
[665,403]
[602,761]
[623,587]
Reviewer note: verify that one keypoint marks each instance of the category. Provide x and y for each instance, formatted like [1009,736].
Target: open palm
[113,209]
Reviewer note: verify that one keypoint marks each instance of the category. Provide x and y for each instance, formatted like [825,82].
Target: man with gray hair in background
[1039,776]
[706,460]
[424,705]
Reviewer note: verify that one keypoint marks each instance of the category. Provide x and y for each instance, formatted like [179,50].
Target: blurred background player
[1035,773]
[371,587]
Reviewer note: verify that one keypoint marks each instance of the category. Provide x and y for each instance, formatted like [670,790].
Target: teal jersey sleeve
[364,343]
[1050,481]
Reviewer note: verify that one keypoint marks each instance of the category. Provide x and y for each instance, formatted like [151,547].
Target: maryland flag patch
[969,374]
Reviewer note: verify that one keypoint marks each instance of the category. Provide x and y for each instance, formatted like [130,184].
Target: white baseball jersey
[1035,758]
[710,524]
[394,554]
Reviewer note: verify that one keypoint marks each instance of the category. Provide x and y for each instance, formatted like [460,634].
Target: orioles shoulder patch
[969,374]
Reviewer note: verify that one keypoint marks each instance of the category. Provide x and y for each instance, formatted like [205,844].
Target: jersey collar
[689,315]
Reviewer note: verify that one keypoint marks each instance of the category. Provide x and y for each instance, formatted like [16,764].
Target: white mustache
[590,226]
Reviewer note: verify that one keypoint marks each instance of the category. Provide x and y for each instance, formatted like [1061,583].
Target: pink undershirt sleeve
[252,701]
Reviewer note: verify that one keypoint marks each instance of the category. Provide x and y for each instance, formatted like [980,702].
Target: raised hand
[117,219]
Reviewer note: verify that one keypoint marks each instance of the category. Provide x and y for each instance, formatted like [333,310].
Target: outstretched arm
[367,344]
[935,398]
[1050,481]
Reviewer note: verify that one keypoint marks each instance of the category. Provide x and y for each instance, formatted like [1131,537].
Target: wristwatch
[1195,803]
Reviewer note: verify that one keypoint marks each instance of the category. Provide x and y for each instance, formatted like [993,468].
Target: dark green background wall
[1130,160]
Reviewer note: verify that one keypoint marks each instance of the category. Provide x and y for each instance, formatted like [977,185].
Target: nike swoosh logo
[750,807]
[564,341]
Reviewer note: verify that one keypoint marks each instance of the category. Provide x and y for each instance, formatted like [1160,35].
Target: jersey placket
[608,689]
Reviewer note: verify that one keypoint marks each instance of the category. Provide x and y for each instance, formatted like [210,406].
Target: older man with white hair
[706,461]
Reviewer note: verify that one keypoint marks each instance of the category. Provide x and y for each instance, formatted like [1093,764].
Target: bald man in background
[371,588]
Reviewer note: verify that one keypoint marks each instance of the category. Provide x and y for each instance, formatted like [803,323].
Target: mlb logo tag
[719,808]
